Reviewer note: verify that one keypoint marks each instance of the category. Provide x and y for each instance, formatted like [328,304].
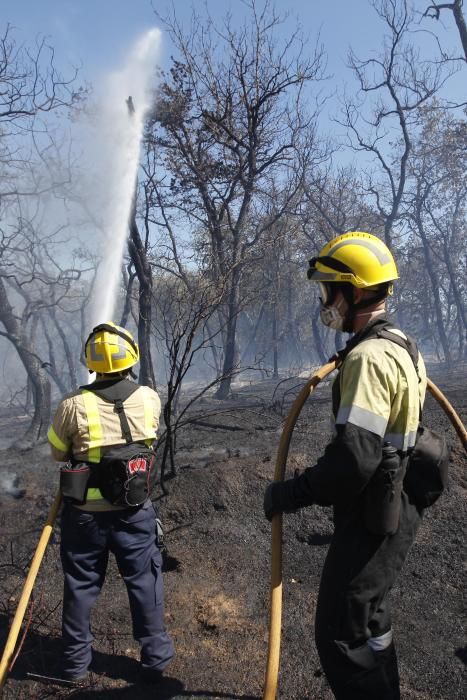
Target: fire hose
[272,671]
[275,616]
[27,590]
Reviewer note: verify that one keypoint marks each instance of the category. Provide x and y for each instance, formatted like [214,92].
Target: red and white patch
[138,464]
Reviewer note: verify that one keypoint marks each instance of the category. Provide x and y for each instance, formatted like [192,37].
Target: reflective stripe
[148,405]
[94,426]
[121,352]
[94,494]
[95,431]
[54,440]
[95,437]
[380,391]
[148,415]
[362,418]
[401,442]
[95,356]
[375,424]
[380,643]
[382,256]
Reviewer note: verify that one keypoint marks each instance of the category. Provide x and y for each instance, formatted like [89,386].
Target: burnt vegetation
[241,180]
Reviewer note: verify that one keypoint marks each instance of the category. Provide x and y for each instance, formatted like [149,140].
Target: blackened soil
[217,582]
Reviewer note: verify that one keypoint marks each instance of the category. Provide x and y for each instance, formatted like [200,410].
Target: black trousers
[87,539]
[359,571]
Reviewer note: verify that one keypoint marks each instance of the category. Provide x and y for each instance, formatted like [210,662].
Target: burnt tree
[16,333]
[30,86]
[138,250]
[230,121]
[434,11]
[397,83]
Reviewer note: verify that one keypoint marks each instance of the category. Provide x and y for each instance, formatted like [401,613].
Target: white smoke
[9,485]
[112,166]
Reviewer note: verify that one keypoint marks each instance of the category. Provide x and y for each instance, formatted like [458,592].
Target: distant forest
[242,179]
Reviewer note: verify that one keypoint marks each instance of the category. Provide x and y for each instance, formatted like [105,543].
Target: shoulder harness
[116,391]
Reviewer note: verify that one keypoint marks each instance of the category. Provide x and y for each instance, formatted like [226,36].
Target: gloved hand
[279,498]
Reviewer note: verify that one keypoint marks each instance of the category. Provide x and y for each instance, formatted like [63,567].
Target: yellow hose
[272,670]
[27,590]
[450,412]
[275,618]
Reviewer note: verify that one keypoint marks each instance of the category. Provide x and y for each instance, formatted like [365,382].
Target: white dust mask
[331,316]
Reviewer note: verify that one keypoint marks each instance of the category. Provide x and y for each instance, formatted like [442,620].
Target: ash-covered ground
[217,582]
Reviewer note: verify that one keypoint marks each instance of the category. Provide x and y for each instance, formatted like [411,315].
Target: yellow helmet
[358,258]
[110,348]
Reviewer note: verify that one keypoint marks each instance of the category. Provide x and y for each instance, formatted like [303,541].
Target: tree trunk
[454,285]
[213,348]
[461,25]
[53,372]
[69,355]
[435,289]
[275,351]
[252,337]
[317,337]
[143,272]
[32,364]
[128,280]
[229,354]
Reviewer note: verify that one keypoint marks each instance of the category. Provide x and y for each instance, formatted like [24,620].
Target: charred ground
[217,578]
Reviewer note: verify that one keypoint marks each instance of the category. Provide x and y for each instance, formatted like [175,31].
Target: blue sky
[96,34]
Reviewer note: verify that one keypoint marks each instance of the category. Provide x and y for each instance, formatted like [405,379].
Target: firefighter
[109,416]
[377,398]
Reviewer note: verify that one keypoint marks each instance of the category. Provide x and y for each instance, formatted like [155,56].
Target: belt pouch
[74,481]
[383,494]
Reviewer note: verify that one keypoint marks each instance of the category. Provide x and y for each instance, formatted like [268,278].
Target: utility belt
[125,476]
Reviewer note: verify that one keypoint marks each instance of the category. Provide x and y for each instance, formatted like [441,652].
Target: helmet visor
[327,293]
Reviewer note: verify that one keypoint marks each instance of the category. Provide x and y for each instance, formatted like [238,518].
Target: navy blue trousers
[87,539]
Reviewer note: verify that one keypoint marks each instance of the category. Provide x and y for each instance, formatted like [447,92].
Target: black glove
[279,498]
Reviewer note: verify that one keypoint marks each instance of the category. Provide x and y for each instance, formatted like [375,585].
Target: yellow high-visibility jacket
[85,426]
[377,397]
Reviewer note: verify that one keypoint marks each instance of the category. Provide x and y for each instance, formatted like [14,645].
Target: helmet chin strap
[372,314]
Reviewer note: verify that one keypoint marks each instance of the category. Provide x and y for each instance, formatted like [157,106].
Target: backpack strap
[371,330]
[382,328]
[125,426]
[394,335]
[116,391]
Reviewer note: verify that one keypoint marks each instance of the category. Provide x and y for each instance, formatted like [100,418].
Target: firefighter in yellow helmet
[377,397]
[104,433]
[355,273]
[110,349]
